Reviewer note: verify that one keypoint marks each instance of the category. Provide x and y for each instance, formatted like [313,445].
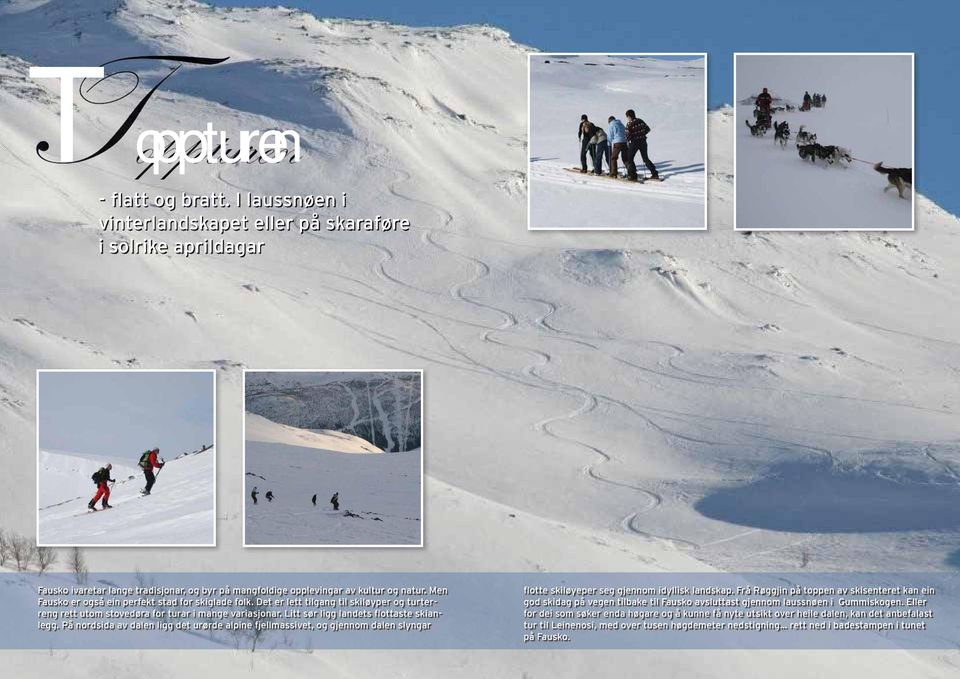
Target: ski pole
[162,462]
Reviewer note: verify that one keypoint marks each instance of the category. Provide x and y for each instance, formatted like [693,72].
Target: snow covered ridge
[261,430]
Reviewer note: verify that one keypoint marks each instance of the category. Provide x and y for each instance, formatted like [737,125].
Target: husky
[804,137]
[831,154]
[781,133]
[755,130]
[808,151]
[837,154]
[897,177]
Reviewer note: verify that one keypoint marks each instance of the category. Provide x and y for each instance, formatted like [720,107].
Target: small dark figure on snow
[101,477]
[314,500]
[335,500]
[253,494]
[148,461]
[269,496]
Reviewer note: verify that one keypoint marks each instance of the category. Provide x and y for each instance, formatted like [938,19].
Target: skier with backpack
[269,496]
[148,462]
[314,500]
[254,493]
[101,477]
[637,132]
[335,500]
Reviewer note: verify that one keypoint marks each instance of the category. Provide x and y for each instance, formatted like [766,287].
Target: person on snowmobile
[335,500]
[101,477]
[148,461]
[253,494]
[269,496]
[637,132]
[585,132]
[617,135]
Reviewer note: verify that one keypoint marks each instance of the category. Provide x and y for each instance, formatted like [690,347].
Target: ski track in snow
[486,312]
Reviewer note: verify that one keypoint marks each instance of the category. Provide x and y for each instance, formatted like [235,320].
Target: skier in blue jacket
[617,136]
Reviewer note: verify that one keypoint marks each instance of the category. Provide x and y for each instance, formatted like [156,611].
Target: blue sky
[720,28]
[115,416]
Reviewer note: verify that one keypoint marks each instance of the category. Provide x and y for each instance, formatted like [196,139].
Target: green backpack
[145,460]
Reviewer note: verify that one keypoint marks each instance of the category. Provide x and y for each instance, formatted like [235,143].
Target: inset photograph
[617,141]
[333,459]
[824,142]
[126,458]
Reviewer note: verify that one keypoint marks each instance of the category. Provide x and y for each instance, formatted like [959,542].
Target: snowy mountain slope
[261,430]
[668,95]
[379,497]
[869,111]
[619,386]
[179,511]
[62,476]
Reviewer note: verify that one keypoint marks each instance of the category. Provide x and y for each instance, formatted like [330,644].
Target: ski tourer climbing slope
[148,462]
[101,477]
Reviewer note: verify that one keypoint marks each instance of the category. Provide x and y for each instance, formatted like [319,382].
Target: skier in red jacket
[101,477]
[148,461]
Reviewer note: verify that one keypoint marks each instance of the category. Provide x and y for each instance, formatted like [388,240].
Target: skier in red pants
[148,461]
[101,477]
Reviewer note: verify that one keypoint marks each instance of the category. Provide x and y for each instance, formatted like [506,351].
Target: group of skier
[148,462]
[334,501]
[618,142]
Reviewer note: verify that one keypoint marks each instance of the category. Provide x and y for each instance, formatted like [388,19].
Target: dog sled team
[618,143]
[807,146]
